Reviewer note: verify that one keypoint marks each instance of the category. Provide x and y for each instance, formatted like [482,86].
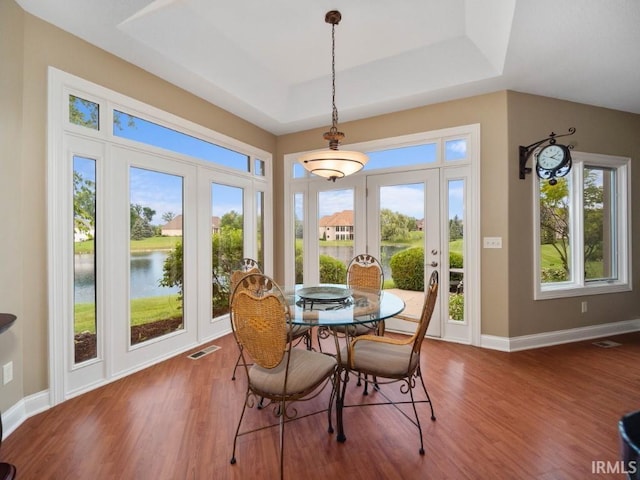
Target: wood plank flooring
[539,414]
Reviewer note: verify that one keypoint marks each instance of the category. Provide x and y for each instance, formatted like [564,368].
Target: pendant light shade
[333,163]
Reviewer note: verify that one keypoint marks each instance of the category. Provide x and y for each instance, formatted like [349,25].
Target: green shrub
[407,269]
[456,306]
[332,270]
[299,272]
[455,261]
[554,274]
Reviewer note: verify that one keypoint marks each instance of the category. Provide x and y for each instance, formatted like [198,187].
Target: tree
[232,219]
[84,204]
[227,251]
[173,270]
[555,222]
[86,113]
[168,216]
[554,218]
[456,230]
[299,227]
[83,112]
[140,221]
[593,217]
[394,226]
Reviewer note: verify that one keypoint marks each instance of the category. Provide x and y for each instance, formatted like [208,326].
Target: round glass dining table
[327,305]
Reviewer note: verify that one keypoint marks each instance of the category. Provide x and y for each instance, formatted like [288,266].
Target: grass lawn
[152,243]
[550,257]
[143,310]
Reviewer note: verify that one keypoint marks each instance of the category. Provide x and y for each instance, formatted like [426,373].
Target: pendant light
[333,163]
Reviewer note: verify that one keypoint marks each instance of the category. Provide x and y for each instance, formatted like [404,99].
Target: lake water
[146,271]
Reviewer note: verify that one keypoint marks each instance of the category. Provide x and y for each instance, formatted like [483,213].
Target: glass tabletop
[328,304]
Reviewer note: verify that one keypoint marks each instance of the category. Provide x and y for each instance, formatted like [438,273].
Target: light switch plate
[492,242]
[7,373]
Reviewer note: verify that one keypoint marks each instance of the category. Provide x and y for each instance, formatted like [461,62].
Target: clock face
[551,157]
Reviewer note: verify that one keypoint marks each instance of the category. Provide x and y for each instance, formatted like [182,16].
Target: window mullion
[577,224]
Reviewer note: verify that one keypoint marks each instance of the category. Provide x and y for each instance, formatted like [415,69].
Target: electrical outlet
[492,242]
[7,373]
[583,307]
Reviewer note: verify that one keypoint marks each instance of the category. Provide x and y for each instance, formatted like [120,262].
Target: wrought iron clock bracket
[525,152]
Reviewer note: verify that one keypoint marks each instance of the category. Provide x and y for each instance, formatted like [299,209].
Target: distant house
[215,224]
[174,227]
[86,233]
[79,236]
[420,225]
[338,226]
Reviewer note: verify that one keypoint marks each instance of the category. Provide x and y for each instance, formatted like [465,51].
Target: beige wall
[28,47]
[490,111]
[11,211]
[598,130]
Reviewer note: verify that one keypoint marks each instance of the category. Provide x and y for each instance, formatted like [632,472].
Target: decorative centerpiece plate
[324,294]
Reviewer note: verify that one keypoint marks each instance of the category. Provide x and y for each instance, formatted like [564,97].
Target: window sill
[566,291]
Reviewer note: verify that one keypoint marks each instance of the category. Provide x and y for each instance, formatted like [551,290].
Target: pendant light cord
[334,114]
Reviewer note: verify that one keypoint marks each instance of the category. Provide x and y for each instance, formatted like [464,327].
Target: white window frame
[578,286]
[60,223]
[303,184]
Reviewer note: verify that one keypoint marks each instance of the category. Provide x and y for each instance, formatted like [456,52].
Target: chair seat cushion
[306,370]
[382,359]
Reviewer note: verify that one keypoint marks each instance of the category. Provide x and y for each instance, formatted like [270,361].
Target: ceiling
[269,62]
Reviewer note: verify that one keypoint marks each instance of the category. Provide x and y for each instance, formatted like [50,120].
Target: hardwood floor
[545,414]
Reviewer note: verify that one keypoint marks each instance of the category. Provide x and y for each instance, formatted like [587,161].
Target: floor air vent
[606,344]
[203,352]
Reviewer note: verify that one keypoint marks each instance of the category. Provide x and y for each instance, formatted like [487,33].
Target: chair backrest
[259,319]
[365,271]
[427,312]
[238,275]
[249,264]
[246,267]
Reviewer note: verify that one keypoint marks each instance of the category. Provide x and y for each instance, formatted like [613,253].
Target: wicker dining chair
[249,266]
[389,360]
[280,373]
[365,273]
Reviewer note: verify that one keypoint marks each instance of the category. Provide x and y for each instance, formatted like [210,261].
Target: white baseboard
[39,402]
[25,408]
[546,339]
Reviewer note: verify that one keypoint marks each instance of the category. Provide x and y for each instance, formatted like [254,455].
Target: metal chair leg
[235,439]
[233,376]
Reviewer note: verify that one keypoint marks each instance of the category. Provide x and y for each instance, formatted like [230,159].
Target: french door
[392,201]
[421,215]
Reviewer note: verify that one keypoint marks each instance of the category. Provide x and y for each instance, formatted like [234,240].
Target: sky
[163,192]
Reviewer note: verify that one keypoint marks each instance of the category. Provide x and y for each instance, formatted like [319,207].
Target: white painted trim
[546,339]
[39,402]
[24,409]
[108,366]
